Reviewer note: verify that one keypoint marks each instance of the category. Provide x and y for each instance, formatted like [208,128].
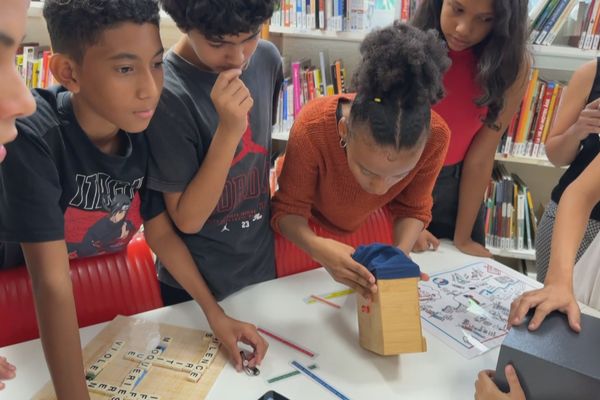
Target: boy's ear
[65,71]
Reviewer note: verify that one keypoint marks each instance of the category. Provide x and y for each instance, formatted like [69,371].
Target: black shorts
[445,206]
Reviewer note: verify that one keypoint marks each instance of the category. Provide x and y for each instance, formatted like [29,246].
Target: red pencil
[325,301]
[286,342]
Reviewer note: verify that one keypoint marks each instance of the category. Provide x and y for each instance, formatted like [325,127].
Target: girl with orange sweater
[349,155]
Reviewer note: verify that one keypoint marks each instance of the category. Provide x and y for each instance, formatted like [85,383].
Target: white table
[440,373]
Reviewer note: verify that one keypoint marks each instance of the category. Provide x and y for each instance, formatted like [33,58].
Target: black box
[554,362]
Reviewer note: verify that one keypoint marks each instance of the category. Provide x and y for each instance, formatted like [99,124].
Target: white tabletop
[440,373]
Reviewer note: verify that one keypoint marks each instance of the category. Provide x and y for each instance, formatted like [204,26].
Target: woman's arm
[574,121]
[478,165]
[574,210]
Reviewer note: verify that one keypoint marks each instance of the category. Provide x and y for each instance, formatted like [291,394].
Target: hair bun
[401,62]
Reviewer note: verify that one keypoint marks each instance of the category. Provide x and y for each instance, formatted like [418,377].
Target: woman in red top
[349,155]
[484,87]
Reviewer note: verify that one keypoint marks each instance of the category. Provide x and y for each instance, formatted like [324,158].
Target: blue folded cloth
[386,262]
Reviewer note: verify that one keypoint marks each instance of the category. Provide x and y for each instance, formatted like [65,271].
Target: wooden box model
[391,323]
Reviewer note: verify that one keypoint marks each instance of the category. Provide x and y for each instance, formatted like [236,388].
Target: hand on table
[426,241]
[7,371]
[230,332]
[486,389]
[472,248]
[553,296]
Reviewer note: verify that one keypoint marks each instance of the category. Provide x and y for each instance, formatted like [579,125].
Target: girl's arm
[478,165]
[574,210]
[574,121]
[334,256]
[406,233]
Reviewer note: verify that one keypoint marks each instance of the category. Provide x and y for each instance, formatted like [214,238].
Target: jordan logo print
[248,146]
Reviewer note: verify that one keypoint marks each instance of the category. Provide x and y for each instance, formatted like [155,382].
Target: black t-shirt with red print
[56,184]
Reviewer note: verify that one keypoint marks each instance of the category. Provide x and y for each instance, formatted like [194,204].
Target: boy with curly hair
[221,89]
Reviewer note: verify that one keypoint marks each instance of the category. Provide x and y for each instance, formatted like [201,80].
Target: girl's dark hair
[75,25]
[501,54]
[397,81]
[217,18]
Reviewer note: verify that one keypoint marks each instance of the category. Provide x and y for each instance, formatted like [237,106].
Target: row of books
[305,82]
[341,15]
[33,64]
[547,19]
[527,133]
[510,221]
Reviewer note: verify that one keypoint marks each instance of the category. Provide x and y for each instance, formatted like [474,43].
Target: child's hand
[553,296]
[7,371]
[486,389]
[588,121]
[337,259]
[426,241]
[472,248]
[233,101]
[230,331]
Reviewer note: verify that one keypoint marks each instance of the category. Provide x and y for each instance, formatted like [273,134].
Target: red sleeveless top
[462,115]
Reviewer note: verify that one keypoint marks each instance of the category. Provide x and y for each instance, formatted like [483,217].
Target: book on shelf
[305,81]
[510,223]
[547,19]
[33,64]
[341,15]
[528,130]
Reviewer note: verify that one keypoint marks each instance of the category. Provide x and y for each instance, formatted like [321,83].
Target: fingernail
[532,326]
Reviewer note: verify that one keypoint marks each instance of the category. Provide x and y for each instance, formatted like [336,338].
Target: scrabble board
[135,359]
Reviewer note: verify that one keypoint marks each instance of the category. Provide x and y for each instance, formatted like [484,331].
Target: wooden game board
[142,360]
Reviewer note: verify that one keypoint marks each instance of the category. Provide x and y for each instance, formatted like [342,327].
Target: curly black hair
[399,78]
[75,25]
[217,18]
[501,54]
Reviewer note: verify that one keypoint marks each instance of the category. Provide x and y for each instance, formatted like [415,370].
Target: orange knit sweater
[316,182]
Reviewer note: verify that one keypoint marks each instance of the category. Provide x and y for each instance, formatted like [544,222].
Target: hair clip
[377,100]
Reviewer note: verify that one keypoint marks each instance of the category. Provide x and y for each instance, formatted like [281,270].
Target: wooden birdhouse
[391,323]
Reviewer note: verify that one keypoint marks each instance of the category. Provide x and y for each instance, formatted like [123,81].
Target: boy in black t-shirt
[75,176]
[221,89]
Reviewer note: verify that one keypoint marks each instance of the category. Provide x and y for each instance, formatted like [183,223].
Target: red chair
[105,286]
[290,259]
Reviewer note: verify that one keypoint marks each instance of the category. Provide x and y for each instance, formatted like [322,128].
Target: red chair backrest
[105,286]
[290,259]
